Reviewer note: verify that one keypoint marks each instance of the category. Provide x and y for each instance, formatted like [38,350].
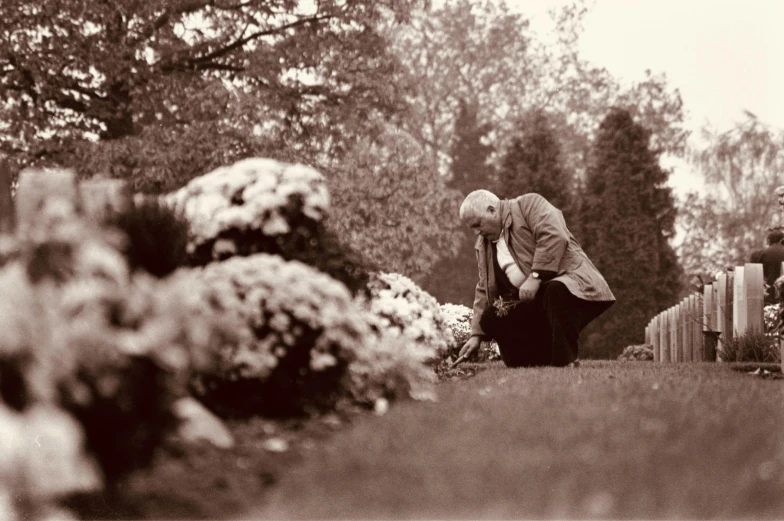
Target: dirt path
[608,440]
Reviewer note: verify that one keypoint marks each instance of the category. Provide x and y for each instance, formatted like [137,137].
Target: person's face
[487,224]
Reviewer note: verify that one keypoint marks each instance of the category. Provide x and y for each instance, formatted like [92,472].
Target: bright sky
[723,55]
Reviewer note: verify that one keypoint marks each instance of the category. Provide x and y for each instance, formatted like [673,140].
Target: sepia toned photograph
[391,260]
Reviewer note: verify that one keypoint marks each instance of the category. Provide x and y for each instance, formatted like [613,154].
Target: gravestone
[100,197]
[656,339]
[754,297]
[675,328]
[43,194]
[697,338]
[664,336]
[739,310]
[685,355]
[710,323]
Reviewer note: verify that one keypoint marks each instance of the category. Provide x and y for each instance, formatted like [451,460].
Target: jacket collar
[505,207]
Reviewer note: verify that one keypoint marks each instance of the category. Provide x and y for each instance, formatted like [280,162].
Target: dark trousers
[544,331]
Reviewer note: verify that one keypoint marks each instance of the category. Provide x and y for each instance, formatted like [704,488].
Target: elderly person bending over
[525,252]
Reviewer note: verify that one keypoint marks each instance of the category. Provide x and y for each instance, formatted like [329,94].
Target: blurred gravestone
[43,194]
[101,197]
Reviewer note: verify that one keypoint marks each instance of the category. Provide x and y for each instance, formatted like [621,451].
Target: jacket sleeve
[549,230]
[480,294]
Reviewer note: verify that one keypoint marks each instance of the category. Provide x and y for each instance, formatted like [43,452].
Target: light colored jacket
[538,239]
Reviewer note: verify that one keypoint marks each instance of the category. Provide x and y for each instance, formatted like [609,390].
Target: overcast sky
[723,55]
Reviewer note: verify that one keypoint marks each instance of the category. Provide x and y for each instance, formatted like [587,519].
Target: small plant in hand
[503,307]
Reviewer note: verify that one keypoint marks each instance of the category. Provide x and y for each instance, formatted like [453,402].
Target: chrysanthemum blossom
[252,194]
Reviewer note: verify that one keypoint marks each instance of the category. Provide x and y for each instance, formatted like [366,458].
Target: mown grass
[619,440]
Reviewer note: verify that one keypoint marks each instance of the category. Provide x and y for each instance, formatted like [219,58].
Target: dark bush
[751,346]
[125,414]
[157,237]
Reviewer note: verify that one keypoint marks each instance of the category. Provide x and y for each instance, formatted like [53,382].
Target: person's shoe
[576,363]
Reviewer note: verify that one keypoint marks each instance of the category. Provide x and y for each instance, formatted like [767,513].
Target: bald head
[481,212]
[476,204]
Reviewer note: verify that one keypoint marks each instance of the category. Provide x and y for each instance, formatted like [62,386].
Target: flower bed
[301,330]
[401,307]
[251,195]
[265,206]
[458,319]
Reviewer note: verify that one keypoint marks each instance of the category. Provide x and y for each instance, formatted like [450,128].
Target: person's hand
[470,346]
[528,289]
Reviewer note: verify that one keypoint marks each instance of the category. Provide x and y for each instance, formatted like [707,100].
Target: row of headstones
[732,304]
[92,197]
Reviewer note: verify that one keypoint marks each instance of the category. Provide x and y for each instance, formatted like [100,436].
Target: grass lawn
[608,440]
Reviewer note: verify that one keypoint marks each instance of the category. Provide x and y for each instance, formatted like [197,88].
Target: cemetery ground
[607,440]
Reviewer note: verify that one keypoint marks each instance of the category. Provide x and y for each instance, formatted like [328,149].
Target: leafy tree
[485,52]
[533,164]
[460,51]
[390,204]
[162,90]
[741,169]
[628,220]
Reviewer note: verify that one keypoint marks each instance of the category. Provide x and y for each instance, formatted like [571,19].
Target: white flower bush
[640,352]
[252,195]
[301,324]
[458,319]
[307,343]
[402,308]
[389,367]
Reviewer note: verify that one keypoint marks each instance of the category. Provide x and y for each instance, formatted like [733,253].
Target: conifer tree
[453,279]
[469,155]
[627,219]
[532,163]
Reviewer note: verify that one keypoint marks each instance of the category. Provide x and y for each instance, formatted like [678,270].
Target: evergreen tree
[469,154]
[532,163]
[453,279]
[627,219]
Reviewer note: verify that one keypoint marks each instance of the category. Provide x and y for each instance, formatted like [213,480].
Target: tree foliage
[532,163]
[488,55]
[390,204]
[469,170]
[162,90]
[628,220]
[741,169]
